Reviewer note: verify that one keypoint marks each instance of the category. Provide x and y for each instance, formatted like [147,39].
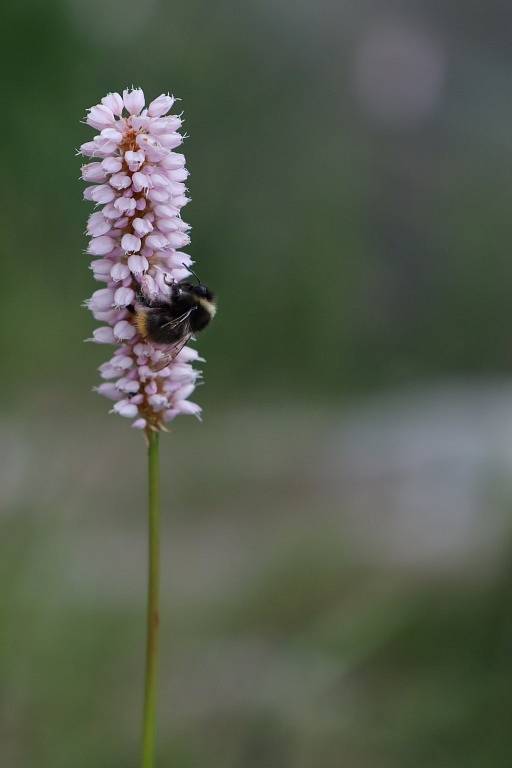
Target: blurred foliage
[318,663]
[347,254]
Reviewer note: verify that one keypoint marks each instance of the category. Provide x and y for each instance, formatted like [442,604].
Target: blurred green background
[337,532]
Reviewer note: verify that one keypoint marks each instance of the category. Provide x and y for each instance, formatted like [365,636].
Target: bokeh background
[337,544]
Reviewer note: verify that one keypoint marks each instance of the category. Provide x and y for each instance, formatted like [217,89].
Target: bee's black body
[188,310]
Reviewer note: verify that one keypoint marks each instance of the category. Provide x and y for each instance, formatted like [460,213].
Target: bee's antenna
[192,272]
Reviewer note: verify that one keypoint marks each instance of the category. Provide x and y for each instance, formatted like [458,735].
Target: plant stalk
[153,614]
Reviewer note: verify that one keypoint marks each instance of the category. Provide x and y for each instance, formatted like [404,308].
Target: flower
[137,182]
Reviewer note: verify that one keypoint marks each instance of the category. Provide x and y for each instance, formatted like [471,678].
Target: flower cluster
[138,185]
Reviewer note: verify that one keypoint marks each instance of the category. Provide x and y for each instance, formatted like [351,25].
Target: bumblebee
[172,323]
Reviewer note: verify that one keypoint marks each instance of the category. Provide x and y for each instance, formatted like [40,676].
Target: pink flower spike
[138,181]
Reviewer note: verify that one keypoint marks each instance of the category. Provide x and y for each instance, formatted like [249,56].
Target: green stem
[153,617]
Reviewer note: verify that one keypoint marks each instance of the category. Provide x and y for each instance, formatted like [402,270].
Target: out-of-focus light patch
[423,476]
[398,73]
[114,22]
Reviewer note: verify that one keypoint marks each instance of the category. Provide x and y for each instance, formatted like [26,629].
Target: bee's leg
[174,286]
[141,299]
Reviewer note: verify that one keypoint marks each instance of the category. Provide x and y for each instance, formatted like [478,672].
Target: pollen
[141,322]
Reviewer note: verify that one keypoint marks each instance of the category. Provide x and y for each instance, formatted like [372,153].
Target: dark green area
[347,255]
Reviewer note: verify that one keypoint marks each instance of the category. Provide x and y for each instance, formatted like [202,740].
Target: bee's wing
[172,352]
[177,321]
